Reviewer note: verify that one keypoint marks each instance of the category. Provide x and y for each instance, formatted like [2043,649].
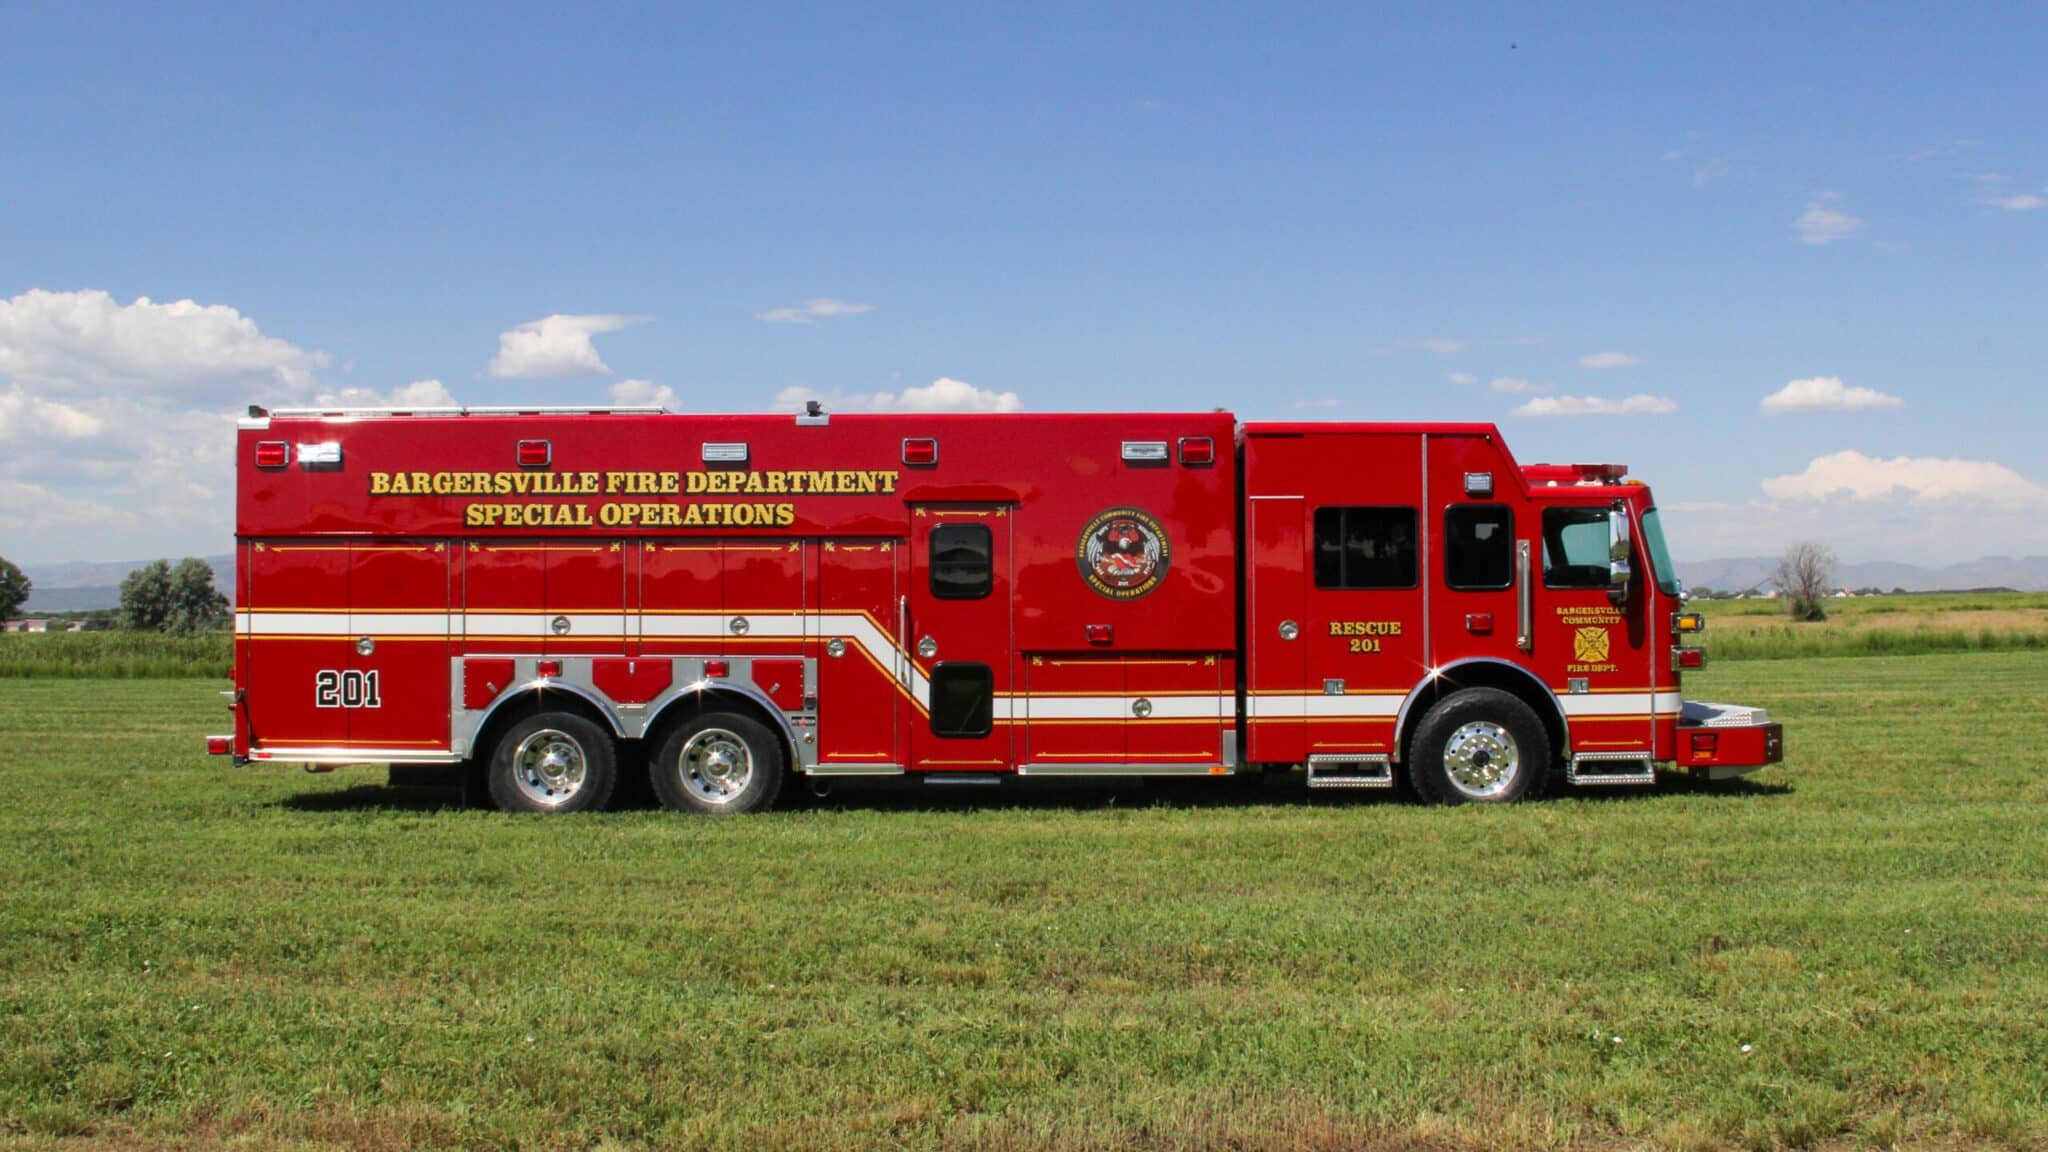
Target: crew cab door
[959,638]
[1595,654]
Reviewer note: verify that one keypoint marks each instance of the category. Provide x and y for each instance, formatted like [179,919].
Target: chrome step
[1363,771]
[1615,768]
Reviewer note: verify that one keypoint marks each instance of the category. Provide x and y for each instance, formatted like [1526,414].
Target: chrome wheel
[550,767]
[716,766]
[1481,759]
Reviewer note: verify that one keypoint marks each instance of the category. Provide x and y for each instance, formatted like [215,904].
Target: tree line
[156,597]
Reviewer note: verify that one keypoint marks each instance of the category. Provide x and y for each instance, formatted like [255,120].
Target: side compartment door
[1369,575]
[396,694]
[860,699]
[961,659]
[299,644]
[1276,581]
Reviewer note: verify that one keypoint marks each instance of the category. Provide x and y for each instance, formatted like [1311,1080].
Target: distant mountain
[2027,573]
[83,585]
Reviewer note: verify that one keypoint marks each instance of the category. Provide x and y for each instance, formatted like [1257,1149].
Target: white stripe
[1619,703]
[1294,707]
[1119,707]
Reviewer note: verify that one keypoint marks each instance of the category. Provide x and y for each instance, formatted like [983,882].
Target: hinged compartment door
[960,638]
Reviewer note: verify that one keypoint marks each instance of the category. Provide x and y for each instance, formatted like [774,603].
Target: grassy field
[115,655]
[1852,950]
[1878,625]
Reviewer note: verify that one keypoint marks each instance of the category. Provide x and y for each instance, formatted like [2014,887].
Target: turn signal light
[219,745]
[1690,657]
[1705,743]
[549,667]
[1101,633]
[273,453]
[536,453]
[921,450]
[1197,450]
[1687,622]
[716,668]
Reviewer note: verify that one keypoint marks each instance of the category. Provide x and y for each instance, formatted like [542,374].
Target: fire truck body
[955,596]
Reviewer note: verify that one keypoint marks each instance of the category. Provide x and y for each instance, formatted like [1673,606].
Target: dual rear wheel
[715,762]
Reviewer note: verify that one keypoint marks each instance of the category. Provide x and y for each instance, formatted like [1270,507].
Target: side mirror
[1617,554]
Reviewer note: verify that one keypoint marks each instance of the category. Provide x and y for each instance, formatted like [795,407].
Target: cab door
[1473,598]
[1595,654]
[959,637]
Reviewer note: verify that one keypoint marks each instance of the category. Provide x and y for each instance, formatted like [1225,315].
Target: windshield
[1660,556]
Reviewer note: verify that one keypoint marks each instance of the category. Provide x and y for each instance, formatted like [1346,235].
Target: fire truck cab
[553,597]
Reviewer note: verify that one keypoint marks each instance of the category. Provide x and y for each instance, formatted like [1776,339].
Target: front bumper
[1720,741]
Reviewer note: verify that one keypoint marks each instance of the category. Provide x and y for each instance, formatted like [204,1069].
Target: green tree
[146,597]
[14,589]
[195,606]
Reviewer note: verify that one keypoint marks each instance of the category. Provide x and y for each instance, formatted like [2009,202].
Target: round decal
[1123,553]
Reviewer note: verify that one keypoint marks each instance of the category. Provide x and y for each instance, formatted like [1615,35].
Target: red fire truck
[545,595]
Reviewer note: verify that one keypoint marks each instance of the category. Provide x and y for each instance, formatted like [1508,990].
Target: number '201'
[332,689]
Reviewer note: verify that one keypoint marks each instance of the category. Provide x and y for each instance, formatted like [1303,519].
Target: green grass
[194,955]
[1878,626]
[115,655]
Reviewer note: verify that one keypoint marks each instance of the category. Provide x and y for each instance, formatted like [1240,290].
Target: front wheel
[553,762]
[1480,746]
[719,763]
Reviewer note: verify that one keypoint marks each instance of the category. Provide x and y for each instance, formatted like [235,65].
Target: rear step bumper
[1719,741]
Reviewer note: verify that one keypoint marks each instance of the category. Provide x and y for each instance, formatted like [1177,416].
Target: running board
[1602,768]
[949,778]
[1350,772]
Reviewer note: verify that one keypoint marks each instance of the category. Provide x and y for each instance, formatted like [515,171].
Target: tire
[1480,746]
[553,762]
[718,763]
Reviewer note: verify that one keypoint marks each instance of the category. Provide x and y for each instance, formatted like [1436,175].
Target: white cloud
[24,416]
[557,346]
[1674,154]
[1637,405]
[416,395]
[1918,480]
[1609,360]
[2021,202]
[1436,345]
[643,393]
[812,311]
[1464,378]
[64,342]
[1827,394]
[1516,386]
[942,395]
[1822,223]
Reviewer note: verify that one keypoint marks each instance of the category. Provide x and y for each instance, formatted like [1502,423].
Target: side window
[1479,546]
[1575,547]
[960,566]
[1365,548]
[963,699]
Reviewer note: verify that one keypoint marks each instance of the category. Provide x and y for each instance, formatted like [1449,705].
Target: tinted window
[1575,547]
[1365,548]
[1479,546]
[963,699]
[960,565]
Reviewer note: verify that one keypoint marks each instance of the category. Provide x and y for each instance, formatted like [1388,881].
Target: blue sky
[1335,213]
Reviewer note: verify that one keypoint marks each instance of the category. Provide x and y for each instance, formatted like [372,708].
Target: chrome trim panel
[339,756]
[854,770]
[805,754]
[464,743]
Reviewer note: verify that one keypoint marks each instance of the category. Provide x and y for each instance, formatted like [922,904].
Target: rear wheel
[553,762]
[1480,746]
[719,762]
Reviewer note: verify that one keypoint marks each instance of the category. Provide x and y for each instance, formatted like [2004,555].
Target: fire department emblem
[1123,553]
[1589,646]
